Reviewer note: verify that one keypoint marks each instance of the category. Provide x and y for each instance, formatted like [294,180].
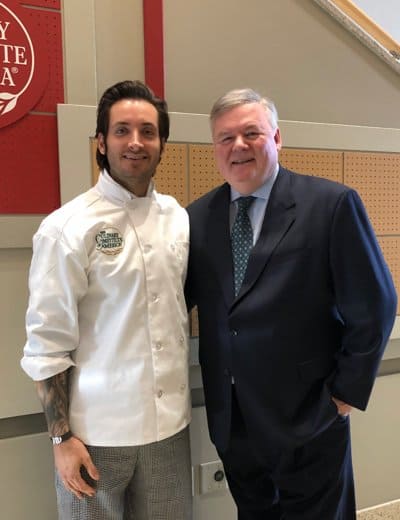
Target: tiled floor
[388,511]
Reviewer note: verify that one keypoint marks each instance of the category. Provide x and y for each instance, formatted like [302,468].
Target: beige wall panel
[204,175]
[328,165]
[391,251]
[172,173]
[75,124]
[17,230]
[216,504]
[103,44]
[291,50]
[375,441]
[376,177]
[79,52]
[26,479]
[320,136]
[17,392]
[119,42]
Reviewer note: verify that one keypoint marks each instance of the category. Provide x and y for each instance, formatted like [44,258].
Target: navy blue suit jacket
[312,318]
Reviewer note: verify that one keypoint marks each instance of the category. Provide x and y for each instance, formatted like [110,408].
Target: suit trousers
[311,482]
[149,482]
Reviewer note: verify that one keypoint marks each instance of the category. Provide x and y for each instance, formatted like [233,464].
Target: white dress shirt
[106,298]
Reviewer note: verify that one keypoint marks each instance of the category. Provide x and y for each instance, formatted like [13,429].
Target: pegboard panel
[194,323]
[376,177]
[204,175]
[37,167]
[49,4]
[321,163]
[172,175]
[48,23]
[93,162]
[391,251]
[30,180]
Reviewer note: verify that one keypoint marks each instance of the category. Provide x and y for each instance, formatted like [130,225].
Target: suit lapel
[219,242]
[279,216]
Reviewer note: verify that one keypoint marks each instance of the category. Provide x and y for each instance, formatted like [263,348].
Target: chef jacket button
[147,248]
[181,340]
[160,393]
[158,345]
[183,386]
[154,297]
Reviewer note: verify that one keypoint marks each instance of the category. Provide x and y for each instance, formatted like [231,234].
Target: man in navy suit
[287,353]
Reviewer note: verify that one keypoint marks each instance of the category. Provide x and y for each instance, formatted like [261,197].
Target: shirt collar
[263,191]
[110,188]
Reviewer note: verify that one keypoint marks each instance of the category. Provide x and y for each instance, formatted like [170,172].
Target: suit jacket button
[234,332]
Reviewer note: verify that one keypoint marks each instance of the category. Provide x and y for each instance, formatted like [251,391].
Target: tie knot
[244,203]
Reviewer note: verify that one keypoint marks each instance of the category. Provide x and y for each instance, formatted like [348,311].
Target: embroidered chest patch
[109,241]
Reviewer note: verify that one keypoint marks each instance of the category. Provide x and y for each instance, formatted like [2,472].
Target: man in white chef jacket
[107,330]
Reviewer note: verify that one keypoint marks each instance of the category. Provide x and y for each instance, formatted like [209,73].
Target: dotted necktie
[241,241]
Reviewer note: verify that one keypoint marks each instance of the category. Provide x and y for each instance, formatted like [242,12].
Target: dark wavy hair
[128,90]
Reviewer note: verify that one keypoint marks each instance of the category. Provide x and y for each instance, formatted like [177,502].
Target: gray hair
[238,97]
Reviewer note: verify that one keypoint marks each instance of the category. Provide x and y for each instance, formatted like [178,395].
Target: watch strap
[61,438]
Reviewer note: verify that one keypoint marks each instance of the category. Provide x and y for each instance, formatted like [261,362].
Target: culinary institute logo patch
[23,69]
[109,241]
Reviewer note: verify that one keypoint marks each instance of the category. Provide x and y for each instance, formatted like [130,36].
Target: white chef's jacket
[106,298]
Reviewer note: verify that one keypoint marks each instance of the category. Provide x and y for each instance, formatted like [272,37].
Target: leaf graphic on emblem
[7,102]
[18,51]
[6,96]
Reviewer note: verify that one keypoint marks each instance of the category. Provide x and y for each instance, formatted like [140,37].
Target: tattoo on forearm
[53,394]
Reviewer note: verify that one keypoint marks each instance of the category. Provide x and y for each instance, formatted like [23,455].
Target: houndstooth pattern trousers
[149,482]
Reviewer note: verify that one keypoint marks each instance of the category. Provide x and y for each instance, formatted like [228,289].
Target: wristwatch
[61,438]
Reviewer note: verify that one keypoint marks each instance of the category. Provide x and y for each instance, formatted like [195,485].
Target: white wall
[292,50]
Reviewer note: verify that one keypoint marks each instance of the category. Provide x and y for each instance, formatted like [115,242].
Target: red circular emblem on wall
[23,62]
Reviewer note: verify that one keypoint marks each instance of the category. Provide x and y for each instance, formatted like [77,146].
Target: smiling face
[246,146]
[132,145]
